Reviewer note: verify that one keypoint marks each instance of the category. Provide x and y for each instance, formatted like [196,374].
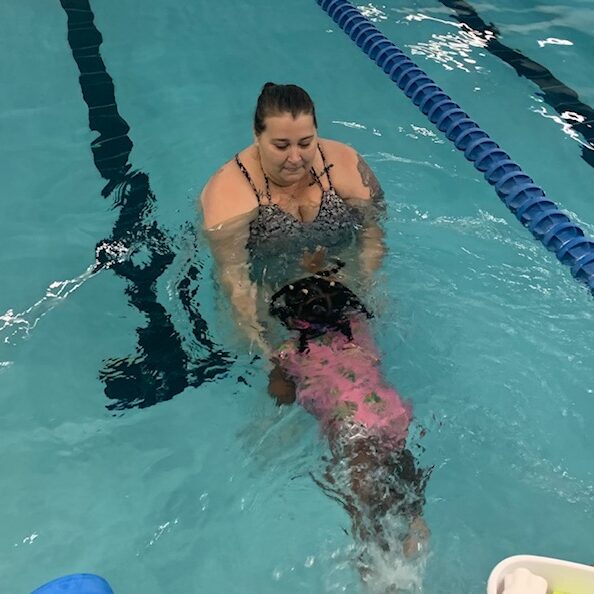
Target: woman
[287,196]
[281,205]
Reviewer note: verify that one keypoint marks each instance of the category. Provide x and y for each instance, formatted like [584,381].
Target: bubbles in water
[386,568]
[389,550]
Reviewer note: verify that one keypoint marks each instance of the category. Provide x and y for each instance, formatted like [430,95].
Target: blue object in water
[77,583]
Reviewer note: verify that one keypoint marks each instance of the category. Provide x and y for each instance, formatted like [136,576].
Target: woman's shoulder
[341,153]
[350,173]
[227,194]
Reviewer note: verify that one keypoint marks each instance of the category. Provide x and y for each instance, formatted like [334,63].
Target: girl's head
[315,305]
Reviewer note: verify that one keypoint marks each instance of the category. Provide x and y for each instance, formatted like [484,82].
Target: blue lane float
[525,199]
[76,583]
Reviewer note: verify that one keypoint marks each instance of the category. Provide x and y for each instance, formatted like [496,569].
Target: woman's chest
[331,222]
[302,205]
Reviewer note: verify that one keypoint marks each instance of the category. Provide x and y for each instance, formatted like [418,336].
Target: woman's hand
[314,261]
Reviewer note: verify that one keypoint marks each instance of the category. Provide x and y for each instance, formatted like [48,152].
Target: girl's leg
[380,484]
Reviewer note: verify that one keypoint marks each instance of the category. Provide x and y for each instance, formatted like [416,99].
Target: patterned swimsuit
[343,387]
[278,239]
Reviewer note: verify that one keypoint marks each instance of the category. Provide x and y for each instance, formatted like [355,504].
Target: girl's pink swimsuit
[341,384]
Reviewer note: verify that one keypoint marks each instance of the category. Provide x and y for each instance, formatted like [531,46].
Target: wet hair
[316,304]
[280,99]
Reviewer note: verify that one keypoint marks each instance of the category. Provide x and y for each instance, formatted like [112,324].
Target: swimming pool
[210,489]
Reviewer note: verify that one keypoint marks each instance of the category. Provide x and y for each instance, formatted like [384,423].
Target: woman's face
[288,147]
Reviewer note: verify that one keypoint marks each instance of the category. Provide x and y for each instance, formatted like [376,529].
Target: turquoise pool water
[210,489]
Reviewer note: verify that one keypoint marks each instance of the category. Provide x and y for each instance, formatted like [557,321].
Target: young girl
[332,369]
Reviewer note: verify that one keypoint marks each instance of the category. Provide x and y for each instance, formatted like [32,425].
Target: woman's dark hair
[279,99]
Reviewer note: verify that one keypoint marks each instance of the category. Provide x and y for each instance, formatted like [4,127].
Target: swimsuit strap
[266,181]
[317,178]
[247,176]
[326,169]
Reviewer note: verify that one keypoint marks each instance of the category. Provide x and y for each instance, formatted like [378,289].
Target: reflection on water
[452,50]
[373,13]
[566,121]
[553,41]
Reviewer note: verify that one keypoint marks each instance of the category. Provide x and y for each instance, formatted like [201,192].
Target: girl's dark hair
[279,99]
[317,304]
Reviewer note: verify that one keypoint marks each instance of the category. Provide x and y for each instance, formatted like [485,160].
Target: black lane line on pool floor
[160,368]
[556,94]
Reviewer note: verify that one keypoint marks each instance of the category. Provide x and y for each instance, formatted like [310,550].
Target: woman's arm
[228,246]
[225,197]
[372,236]
[358,186]
[372,249]
[228,206]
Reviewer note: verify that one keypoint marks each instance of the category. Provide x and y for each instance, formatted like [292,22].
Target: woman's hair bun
[280,99]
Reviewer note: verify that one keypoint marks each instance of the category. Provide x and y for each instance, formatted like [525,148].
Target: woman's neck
[291,188]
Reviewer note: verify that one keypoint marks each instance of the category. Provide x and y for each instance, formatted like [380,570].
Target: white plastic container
[563,577]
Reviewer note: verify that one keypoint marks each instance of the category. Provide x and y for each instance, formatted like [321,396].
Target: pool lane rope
[526,200]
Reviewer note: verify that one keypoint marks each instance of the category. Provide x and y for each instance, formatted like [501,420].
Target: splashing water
[18,326]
